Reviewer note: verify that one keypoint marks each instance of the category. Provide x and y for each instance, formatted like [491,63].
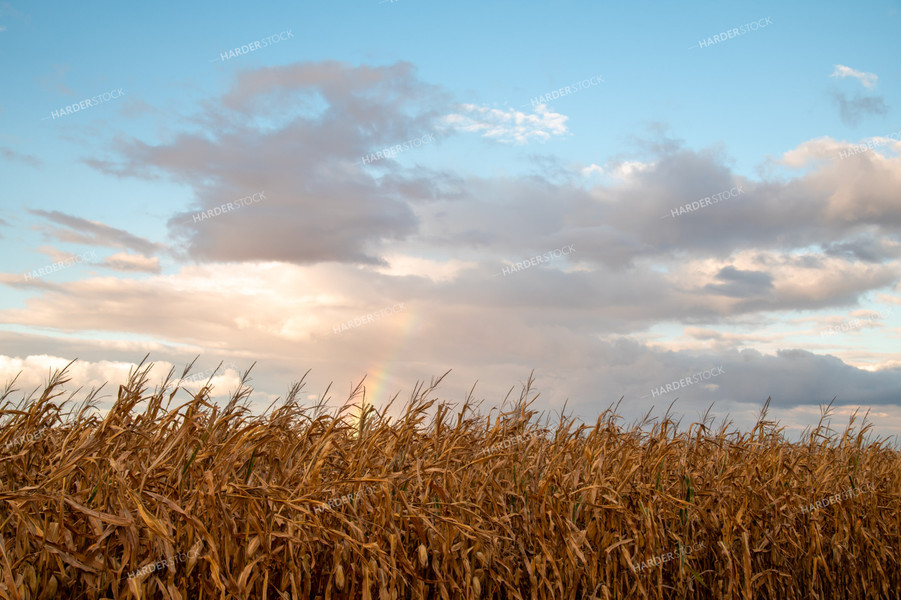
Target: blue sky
[791,285]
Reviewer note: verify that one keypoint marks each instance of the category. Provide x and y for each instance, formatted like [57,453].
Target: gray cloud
[853,110]
[82,231]
[821,235]
[57,81]
[27,159]
[741,284]
[802,377]
[588,374]
[322,204]
[866,249]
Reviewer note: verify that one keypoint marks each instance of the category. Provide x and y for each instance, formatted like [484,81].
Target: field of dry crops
[171,496]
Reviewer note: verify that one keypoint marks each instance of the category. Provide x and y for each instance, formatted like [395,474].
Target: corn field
[169,495]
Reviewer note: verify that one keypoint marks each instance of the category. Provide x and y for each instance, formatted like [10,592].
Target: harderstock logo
[734,32]
[538,259]
[505,444]
[28,437]
[85,104]
[665,558]
[852,324]
[851,492]
[340,500]
[704,202]
[162,564]
[872,144]
[204,375]
[228,207]
[369,318]
[59,266]
[566,90]
[685,382]
[254,46]
[392,151]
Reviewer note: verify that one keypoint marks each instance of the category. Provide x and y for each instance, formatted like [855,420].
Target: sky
[684,207]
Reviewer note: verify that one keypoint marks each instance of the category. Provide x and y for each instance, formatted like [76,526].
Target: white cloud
[511,125]
[31,372]
[123,261]
[875,149]
[630,168]
[436,270]
[867,79]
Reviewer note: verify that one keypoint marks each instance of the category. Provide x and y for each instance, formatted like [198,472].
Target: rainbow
[379,374]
